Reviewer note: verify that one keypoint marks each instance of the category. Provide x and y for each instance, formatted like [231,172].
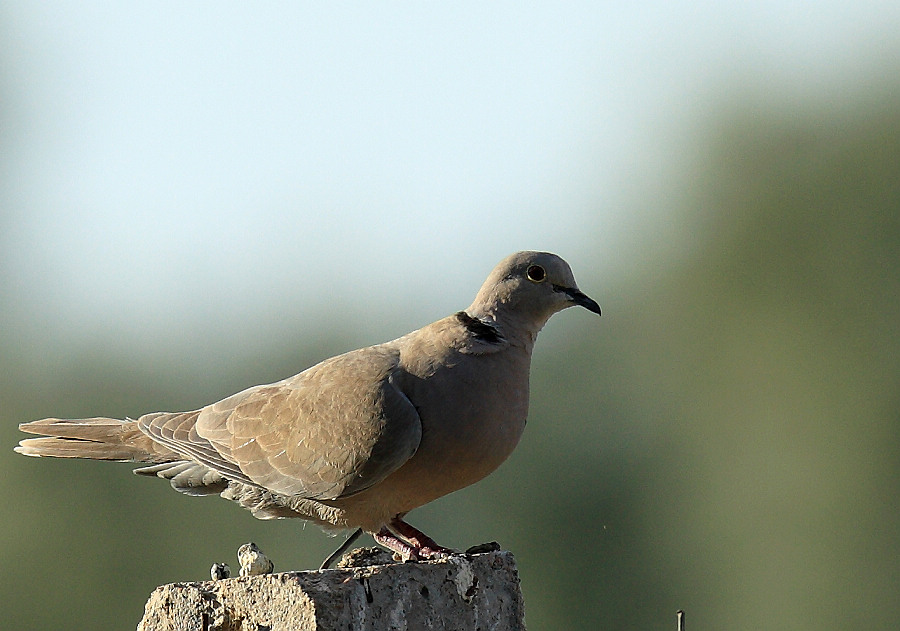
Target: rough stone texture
[477,592]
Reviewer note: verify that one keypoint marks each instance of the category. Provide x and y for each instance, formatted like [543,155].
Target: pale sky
[174,167]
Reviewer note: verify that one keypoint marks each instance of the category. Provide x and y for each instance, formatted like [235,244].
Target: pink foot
[390,541]
[426,547]
[410,543]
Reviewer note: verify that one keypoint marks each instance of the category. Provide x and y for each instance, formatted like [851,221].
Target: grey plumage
[360,439]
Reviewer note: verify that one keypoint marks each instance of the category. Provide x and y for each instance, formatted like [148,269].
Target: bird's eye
[536,273]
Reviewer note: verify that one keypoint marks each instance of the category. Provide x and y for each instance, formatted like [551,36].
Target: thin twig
[341,549]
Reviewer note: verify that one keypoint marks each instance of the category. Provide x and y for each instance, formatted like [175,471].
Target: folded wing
[331,431]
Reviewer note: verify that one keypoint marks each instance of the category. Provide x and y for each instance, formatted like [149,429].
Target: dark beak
[580,299]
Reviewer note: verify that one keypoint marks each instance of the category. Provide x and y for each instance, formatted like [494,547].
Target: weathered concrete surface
[477,592]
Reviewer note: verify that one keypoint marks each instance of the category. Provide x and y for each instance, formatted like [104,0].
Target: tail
[93,438]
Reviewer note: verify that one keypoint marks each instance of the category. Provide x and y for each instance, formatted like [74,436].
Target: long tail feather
[93,438]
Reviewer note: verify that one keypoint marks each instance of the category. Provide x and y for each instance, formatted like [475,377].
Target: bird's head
[526,288]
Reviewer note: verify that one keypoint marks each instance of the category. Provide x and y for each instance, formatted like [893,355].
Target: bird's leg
[425,546]
[393,543]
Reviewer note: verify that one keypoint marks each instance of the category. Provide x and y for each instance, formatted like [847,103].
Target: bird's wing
[331,431]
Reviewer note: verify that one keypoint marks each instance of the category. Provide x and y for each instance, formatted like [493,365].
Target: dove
[361,439]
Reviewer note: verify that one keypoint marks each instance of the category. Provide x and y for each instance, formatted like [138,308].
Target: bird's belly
[450,457]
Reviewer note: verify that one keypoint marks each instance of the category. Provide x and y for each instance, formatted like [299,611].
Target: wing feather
[331,431]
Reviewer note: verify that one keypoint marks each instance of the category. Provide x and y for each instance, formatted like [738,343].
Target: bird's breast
[473,412]
[471,422]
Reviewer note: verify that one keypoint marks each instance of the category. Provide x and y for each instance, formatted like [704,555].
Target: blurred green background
[724,440]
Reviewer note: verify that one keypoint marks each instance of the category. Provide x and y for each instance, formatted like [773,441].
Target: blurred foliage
[724,440]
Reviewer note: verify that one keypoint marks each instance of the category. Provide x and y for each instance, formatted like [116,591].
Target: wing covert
[331,431]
